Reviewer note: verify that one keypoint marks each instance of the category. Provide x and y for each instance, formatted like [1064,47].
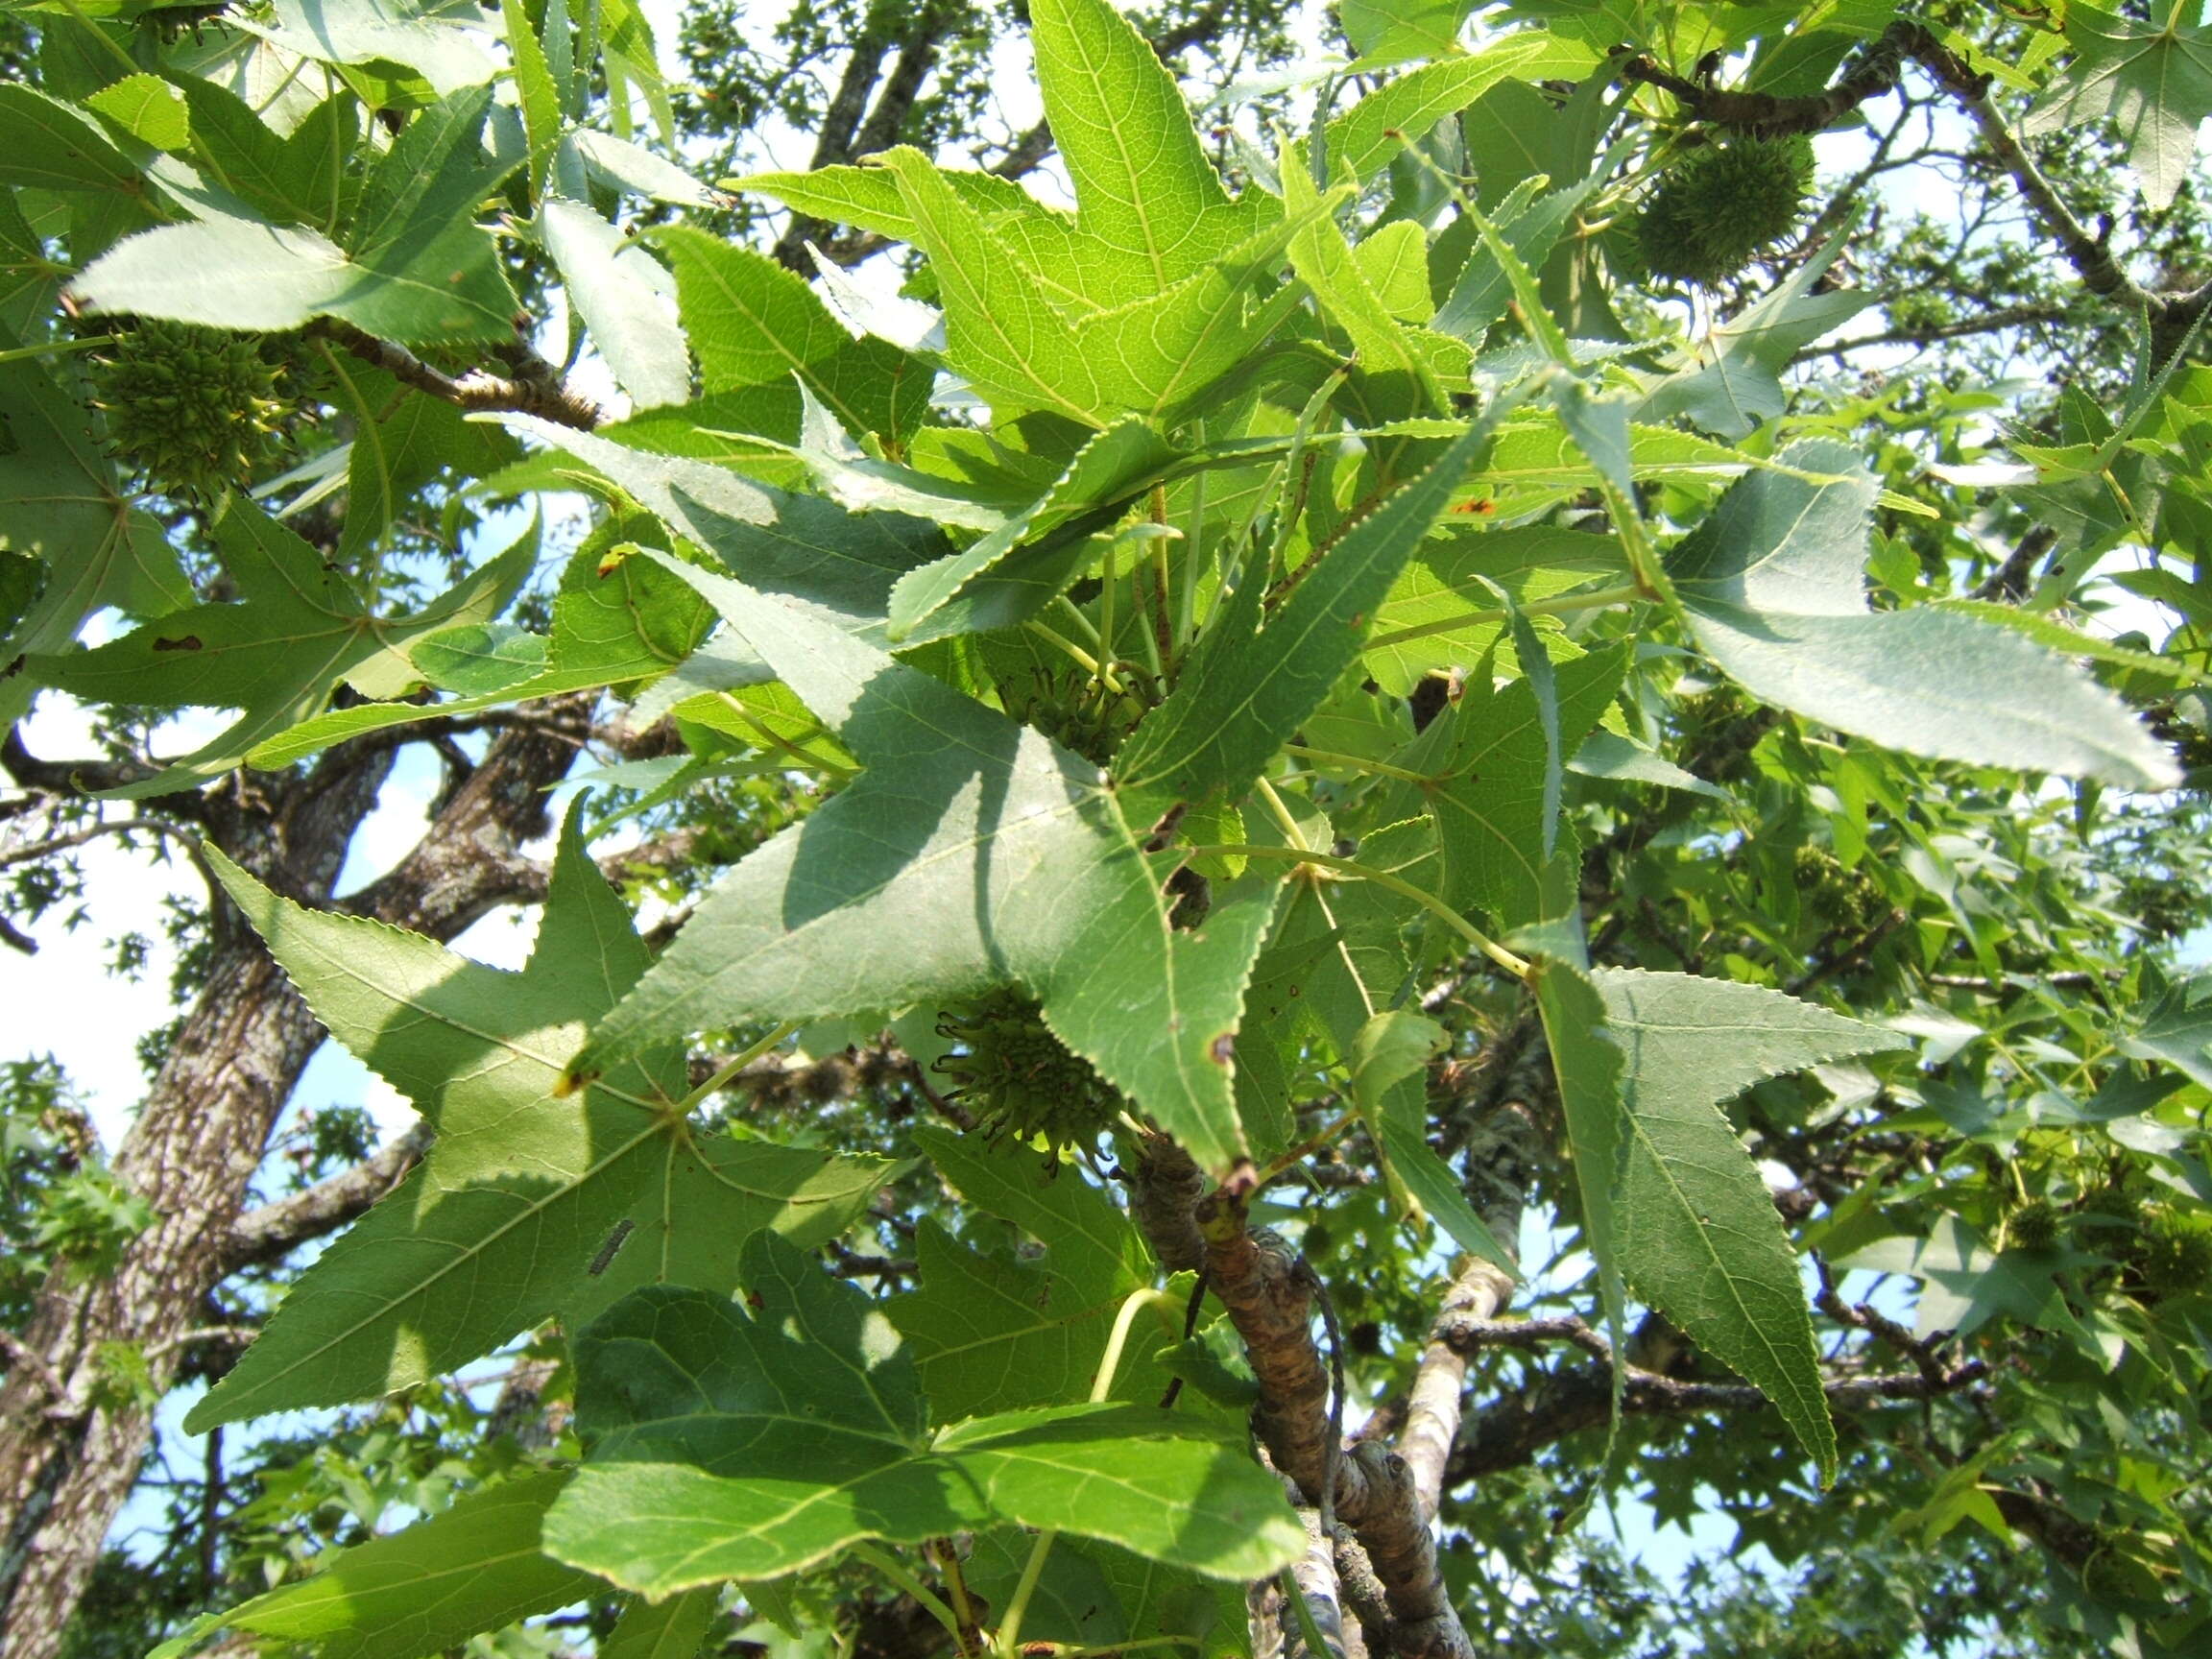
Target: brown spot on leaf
[1222,1050]
[185,642]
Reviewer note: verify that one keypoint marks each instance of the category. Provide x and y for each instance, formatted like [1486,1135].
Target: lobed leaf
[1770,586]
[971,853]
[1694,1226]
[529,1202]
[728,1447]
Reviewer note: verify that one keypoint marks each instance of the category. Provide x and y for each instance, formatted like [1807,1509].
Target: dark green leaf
[971,853]
[297,630]
[723,1446]
[1694,1226]
[1242,694]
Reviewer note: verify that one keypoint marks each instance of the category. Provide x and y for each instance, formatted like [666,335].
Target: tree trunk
[70,1447]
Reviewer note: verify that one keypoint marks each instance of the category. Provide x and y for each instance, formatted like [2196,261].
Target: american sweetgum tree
[1227,762]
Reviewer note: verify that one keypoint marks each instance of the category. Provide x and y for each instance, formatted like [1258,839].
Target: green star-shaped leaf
[2154,84]
[723,1446]
[971,853]
[531,1202]
[61,504]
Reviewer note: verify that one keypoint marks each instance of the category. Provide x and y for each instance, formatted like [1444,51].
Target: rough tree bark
[70,1448]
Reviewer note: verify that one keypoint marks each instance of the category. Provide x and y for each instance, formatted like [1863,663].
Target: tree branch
[79,777]
[1509,1432]
[535,387]
[1989,322]
[1268,1293]
[2008,584]
[469,864]
[1878,71]
[1433,1407]
[1764,115]
[1315,1574]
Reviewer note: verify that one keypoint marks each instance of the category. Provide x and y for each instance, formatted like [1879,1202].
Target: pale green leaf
[1144,189]
[1159,354]
[1696,1232]
[1621,760]
[1002,332]
[752,323]
[148,108]
[631,167]
[377,31]
[477,1567]
[238,274]
[1407,366]
[535,87]
[531,1202]
[870,198]
[1029,341]
[626,301]
[1734,385]
[1403,110]
[1384,30]
[1171,1486]
[2153,82]
[1771,582]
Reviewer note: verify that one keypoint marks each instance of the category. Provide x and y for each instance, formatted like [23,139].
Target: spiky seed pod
[195,410]
[2176,1254]
[1847,900]
[1720,205]
[2033,1225]
[1019,1078]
